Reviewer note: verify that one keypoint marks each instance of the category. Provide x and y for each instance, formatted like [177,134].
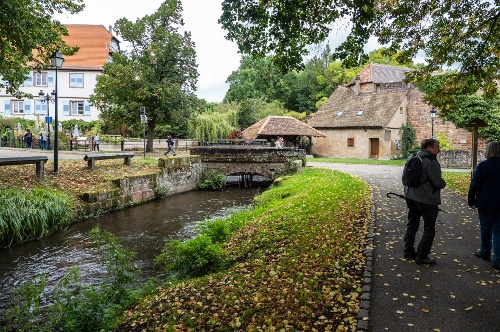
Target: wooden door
[374,148]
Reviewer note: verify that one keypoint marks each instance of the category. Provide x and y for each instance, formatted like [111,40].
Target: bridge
[249,160]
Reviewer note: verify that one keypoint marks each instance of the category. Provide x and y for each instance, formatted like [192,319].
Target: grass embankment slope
[297,264]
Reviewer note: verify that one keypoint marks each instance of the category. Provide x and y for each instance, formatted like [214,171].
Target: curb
[364,304]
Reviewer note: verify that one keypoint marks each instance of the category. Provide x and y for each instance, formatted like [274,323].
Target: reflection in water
[143,228]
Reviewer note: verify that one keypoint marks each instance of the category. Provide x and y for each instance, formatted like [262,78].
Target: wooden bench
[92,157]
[38,160]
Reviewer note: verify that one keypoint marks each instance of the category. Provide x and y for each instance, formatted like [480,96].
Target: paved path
[459,293]
[18,152]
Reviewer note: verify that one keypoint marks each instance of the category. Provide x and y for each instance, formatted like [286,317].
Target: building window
[40,79]
[350,142]
[76,80]
[340,113]
[77,108]
[360,113]
[17,107]
[401,110]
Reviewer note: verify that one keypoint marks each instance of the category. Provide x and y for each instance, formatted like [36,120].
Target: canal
[143,228]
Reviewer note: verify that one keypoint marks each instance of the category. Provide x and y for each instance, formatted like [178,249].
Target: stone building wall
[419,117]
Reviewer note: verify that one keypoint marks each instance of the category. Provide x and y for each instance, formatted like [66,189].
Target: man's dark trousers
[429,215]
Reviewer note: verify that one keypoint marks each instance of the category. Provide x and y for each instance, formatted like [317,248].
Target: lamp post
[433,116]
[57,60]
[46,98]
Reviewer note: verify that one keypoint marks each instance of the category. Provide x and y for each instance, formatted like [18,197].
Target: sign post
[144,120]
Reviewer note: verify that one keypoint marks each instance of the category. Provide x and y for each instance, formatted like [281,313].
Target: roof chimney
[357,85]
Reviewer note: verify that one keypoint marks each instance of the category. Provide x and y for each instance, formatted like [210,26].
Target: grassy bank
[31,208]
[297,263]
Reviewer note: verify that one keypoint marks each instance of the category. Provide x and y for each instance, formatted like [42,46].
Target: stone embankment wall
[175,175]
[458,158]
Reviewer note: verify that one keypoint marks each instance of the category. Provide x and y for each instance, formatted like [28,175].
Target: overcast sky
[216,57]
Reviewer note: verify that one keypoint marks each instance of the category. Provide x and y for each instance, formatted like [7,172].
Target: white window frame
[76,80]
[17,107]
[41,79]
[75,107]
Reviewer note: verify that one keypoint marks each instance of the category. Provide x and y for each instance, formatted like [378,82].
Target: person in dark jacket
[423,201]
[484,194]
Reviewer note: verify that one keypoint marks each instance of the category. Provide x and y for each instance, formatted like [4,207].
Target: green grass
[457,181]
[27,215]
[296,261]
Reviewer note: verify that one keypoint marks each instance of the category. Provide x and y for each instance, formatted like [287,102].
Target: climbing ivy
[408,140]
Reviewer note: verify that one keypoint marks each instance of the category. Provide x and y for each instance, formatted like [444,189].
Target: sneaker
[496,266]
[479,254]
[425,260]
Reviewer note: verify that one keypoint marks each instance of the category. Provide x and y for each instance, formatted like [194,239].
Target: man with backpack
[422,190]
[170,143]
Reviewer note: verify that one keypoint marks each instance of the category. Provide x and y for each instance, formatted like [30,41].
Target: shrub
[211,179]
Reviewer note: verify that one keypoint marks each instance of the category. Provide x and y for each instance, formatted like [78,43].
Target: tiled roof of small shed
[378,109]
[280,126]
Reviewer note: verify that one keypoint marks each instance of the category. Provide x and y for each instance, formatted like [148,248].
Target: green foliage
[444,142]
[446,32]
[162,192]
[159,72]
[27,26]
[408,140]
[195,257]
[88,127]
[27,215]
[209,126]
[72,306]
[211,179]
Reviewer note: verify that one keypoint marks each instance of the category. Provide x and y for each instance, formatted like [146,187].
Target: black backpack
[412,173]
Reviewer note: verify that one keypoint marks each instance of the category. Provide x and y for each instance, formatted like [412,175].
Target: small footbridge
[249,160]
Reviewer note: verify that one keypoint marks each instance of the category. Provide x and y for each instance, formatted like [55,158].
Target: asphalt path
[22,152]
[459,293]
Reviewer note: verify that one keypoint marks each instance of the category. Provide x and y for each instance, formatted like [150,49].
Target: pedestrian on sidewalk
[28,138]
[43,140]
[96,142]
[170,143]
[484,194]
[423,201]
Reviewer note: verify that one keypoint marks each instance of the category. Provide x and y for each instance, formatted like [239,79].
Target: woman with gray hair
[484,194]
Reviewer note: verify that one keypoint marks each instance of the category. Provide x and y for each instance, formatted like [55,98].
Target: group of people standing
[43,137]
[423,201]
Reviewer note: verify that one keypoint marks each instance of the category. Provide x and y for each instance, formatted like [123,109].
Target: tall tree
[448,32]
[29,37]
[159,72]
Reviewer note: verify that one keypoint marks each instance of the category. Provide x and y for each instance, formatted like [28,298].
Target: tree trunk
[151,132]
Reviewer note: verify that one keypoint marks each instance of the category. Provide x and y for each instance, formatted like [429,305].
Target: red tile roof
[94,42]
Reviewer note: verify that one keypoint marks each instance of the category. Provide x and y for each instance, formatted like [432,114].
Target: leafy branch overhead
[29,37]
[447,32]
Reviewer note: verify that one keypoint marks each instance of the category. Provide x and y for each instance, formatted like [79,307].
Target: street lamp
[57,60]
[46,98]
[433,116]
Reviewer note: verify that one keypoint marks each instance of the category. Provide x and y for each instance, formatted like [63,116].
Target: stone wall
[458,158]
[419,117]
[175,175]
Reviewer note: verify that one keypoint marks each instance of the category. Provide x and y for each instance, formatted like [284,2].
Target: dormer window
[340,113]
[360,113]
